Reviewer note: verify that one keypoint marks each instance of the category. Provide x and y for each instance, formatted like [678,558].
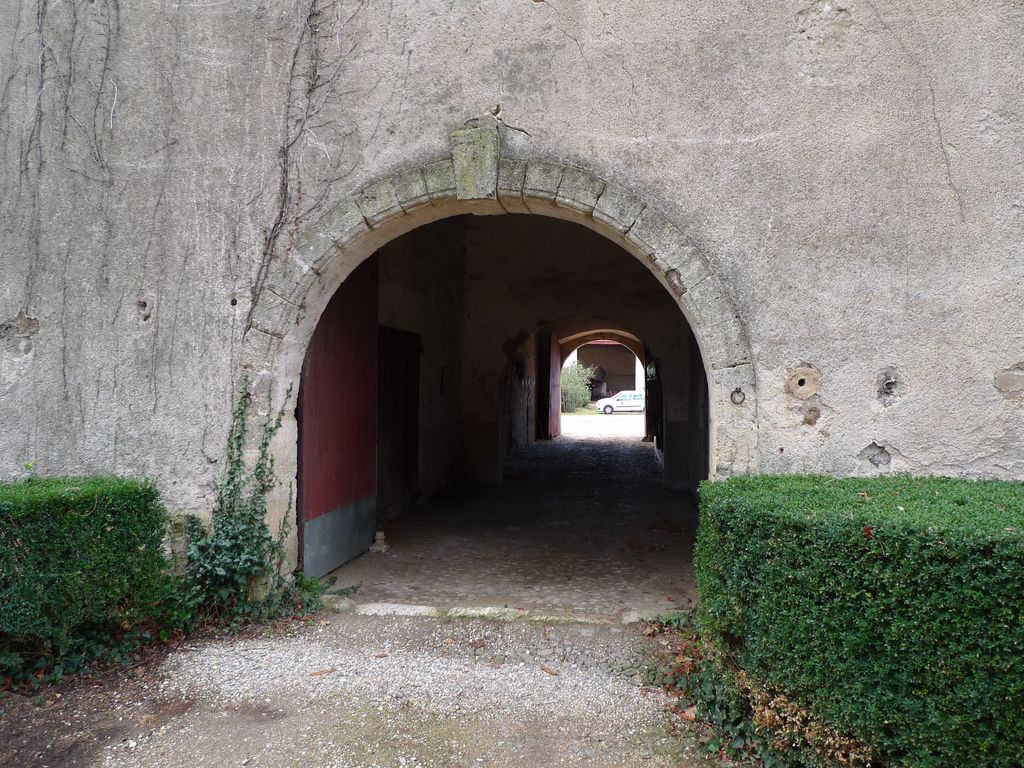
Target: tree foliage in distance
[575,386]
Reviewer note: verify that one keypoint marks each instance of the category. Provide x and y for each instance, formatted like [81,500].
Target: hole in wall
[803,381]
[144,304]
[889,385]
[877,454]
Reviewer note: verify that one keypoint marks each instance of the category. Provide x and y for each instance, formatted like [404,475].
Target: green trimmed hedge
[891,609]
[81,561]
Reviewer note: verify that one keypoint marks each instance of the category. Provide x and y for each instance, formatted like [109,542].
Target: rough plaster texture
[834,184]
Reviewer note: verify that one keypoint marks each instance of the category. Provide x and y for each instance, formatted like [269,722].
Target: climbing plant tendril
[234,568]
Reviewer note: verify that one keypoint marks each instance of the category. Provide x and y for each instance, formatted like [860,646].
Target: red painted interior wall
[555,388]
[338,401]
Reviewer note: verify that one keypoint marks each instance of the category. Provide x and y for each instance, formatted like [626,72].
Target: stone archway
[476,178]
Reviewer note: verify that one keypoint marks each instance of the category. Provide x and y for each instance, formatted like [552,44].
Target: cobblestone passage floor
[580,527]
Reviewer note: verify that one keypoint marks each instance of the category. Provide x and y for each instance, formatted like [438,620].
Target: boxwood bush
[81,562]
[889,611]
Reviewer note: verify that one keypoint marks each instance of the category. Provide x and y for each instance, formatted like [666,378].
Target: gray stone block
[542,181]
[511,178]
[617,208]
[272,315]
[411,189]
[654,233]
[686,261]
[316,239]
[579,190]
[378,202]
[439,178]
[286,276]
[475,154]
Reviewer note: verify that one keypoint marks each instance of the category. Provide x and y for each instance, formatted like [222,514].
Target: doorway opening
[604,378]
[430,407]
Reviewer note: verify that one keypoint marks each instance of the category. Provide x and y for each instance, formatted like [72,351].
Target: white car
[627,400]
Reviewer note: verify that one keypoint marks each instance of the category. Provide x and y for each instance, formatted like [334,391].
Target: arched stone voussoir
[439,177]
[273,313]
[543,178]
[411,190]
[317,239]
[684,266]
[729,347]
[617,208]
[286,276]
[717,324]
[378,202]
[669,248]
[511,180]
[579,190]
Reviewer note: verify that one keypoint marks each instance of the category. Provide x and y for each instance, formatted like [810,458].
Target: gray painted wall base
[335,538]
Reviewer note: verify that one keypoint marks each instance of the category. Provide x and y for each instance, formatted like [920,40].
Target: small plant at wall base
[575,380]
[234,569]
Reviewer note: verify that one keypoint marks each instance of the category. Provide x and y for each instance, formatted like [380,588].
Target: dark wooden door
[398,420]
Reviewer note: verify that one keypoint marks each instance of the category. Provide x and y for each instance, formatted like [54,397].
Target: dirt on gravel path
[349,690]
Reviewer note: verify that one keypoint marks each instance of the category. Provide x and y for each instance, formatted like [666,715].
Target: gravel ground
[395,691]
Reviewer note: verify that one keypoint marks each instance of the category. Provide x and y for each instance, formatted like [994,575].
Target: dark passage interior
[430,407]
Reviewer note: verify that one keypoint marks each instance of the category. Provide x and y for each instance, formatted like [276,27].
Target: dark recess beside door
[398,420]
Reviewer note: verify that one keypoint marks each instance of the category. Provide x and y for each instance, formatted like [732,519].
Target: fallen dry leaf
[322,672]
[448,641]
[550,671]
[690,713]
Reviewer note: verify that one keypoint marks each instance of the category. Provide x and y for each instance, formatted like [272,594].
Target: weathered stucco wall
[849,169]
